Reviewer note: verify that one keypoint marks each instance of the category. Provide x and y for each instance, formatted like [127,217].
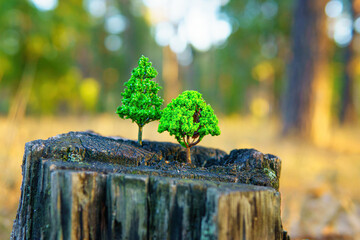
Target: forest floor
[319,184]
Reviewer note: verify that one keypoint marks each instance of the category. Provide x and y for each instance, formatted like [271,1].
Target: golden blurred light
[259,107]
[320,129]
[355,66]
[62,37]
[36,45]
[356,5]
[154,16]
[89,93]
[264,71]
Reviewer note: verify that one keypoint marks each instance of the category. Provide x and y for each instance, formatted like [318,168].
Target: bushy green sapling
[189,119]
[140,101]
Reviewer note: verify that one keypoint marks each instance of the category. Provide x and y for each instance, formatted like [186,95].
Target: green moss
[273,178]
[74,157]
[270,173]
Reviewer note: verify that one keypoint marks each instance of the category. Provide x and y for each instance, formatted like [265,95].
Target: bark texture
[307,96]
[85,186]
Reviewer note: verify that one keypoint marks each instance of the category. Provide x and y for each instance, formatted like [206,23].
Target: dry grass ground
[314,179]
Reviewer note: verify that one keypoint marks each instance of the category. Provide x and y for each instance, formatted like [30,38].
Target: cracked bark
[68,193]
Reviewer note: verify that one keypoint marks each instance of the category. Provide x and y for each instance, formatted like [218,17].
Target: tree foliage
[189,119]
[140,101]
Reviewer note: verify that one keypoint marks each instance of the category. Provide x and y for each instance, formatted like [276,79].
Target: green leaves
[189,119]
[140,101]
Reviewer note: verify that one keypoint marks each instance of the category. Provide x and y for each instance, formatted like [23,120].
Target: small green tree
[140,101]
[189,119]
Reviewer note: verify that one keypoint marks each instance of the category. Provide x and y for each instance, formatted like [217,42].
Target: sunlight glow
[198,26]
[113,43]
[357,25]
[154,3]
[222,30]
[343,31]
[269,9]
[259,107]
[45,5]
[96,8]
[196,22]
[185,58]
[334,8]
[163,33]
[178,44]
[115,24]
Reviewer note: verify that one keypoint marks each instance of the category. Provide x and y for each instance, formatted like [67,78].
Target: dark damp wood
[85,186]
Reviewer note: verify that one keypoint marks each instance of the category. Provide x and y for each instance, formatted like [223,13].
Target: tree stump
[82,185]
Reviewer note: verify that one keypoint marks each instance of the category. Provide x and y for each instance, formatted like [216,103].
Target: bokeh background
[283,77]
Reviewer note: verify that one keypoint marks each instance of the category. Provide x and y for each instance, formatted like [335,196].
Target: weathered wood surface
[85,186]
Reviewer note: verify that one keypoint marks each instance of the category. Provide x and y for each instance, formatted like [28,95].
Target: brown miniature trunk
[188,155]
[140,135]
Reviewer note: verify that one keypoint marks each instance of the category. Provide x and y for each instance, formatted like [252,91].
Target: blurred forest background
[283,76]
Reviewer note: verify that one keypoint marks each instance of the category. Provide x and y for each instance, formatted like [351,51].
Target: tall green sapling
[140,101]
[189,119]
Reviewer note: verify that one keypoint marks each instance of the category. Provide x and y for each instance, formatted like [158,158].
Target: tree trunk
[347,107]
[85,186]
[140,135]
[188,155]
[306,108]
[170,75]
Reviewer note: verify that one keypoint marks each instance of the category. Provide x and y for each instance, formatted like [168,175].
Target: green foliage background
[60,56]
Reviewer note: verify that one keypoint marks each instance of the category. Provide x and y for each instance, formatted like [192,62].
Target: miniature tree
[189,119]
[140,101]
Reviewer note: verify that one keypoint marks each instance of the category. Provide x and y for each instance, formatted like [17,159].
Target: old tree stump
[81,185]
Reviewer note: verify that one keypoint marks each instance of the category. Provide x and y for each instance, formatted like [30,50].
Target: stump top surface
[88,151]
[83,184]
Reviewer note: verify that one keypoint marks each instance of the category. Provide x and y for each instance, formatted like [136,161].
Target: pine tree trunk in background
[306,108]
[131,41]
[347,108]
[170,75]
